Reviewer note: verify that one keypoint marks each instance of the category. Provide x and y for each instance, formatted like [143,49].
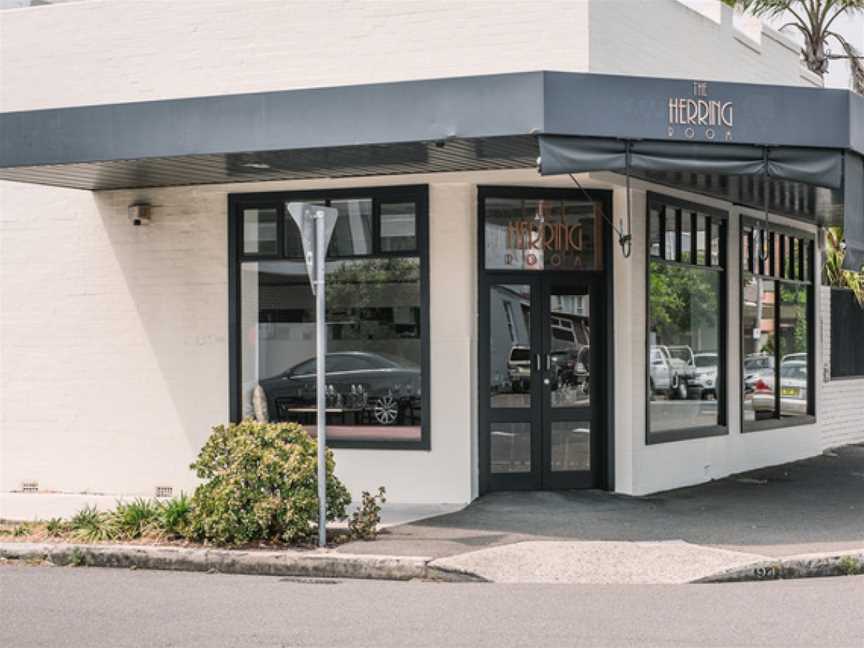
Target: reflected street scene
[373,377]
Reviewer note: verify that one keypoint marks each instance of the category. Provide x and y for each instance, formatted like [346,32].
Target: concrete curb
[309,564]
[847,563]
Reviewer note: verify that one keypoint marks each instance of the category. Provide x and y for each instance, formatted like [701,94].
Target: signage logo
[709,119]
[556,241]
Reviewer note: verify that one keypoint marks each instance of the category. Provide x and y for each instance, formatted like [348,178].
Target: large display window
[776,326]
[376,318]
[686,294]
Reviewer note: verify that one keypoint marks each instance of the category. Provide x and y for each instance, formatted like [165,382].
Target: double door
[540,383]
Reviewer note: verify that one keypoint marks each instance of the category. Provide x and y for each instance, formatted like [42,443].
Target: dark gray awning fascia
[564,103]
[384,113]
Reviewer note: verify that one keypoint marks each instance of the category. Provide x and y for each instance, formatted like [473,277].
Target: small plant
[135,519]
[21,530]
[364,522]
[261,484]
[90,525]
[173,519]
[76,558]
[56,527]
[850,566]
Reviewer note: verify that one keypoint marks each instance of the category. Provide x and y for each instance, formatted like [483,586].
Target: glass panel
[540,234]
[757,347]
[683,357]
[806,272]
[398,227]
[260,231]
[654,232]
[353,233]
[570,349]
[793,350]
[510,353]
[701,240]
[686,240]
[715,243]
[374,353]
[796,264]
[511,447]
[671,221]
[571,445]
[293,240]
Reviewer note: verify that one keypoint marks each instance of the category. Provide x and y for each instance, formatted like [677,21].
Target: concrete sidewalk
[814,506]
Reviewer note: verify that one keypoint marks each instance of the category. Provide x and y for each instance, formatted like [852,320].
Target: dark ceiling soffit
[334,162]
[515,104]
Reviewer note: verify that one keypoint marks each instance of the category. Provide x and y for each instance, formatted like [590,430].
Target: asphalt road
[93,608]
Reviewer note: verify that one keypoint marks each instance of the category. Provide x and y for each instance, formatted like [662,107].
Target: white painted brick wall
[668,38]
[113,351]
[841,412]
[104,51]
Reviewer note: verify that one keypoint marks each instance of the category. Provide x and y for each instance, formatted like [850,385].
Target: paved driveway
[808,506]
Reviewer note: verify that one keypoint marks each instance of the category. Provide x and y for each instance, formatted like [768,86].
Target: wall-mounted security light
[139,213]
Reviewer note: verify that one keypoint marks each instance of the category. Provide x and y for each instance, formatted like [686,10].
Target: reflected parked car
[793,391]
[706,374]
[375,387]
[668,375]
[757,365]
[519,368]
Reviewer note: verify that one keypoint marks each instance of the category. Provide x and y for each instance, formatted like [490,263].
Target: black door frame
[600,281]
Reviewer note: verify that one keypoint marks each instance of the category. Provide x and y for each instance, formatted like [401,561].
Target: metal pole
[321,375]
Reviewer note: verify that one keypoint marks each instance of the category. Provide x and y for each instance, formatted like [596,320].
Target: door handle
[538,362]
[548,362]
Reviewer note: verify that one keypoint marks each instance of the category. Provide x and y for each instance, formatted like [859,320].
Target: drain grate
[309,581]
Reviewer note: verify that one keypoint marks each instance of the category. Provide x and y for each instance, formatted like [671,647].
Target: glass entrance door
[538,381]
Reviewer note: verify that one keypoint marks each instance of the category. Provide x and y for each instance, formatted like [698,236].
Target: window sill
[684,434]
[777,424]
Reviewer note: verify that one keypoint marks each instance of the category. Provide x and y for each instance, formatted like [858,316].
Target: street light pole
[321,373]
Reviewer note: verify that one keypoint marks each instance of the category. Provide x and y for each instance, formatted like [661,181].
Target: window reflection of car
[706,374]
[668,375]
[757,365]
[519,368]
[374,387]
[793,391]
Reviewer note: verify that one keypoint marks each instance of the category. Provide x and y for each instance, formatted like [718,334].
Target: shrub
[90,525]
[56,527]
[260,483]
[21,530]
[365,520]
[173,518]
[137,518]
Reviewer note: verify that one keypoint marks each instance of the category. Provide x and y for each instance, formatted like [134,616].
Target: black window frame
[419,195]
[776,271]
[662,202]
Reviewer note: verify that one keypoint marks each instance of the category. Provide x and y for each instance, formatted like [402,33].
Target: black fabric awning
[832,169]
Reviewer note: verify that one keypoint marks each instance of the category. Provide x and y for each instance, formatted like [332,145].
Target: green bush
[364,522]
[173,519]
[90,525]
[260,484]
[135,519]
[56,527]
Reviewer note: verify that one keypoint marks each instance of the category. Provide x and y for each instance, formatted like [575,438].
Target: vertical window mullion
[662,233]
[778,299]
